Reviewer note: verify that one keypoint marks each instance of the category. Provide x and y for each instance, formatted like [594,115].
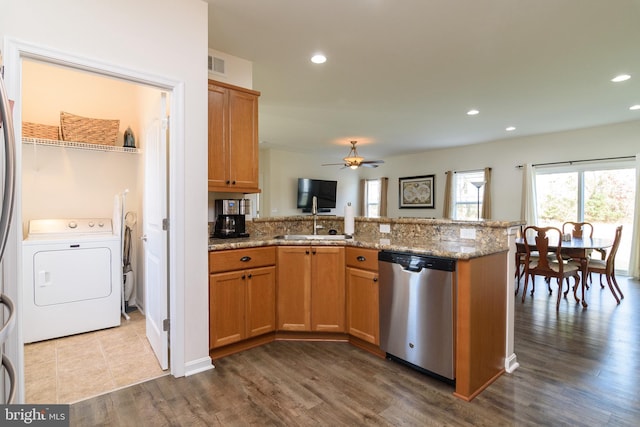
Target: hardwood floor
[577,367]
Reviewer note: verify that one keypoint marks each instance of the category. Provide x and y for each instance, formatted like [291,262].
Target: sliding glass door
[602,194]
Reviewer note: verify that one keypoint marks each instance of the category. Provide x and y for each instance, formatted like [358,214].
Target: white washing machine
[72,273]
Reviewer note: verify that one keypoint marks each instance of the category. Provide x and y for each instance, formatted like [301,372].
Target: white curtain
[528,210]
[634,262]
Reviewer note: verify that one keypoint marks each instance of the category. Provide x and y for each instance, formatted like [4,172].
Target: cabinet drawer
[366,259]
[240,259]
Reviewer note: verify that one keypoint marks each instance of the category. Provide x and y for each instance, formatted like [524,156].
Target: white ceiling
[401,74]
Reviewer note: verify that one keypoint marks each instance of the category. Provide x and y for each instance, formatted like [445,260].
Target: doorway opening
[69,181]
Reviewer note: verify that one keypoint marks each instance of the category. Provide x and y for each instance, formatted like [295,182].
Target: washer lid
[69,227]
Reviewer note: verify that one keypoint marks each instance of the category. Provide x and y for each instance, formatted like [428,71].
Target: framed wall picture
[417,192]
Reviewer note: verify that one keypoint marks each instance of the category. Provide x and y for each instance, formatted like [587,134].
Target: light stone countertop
[460,249]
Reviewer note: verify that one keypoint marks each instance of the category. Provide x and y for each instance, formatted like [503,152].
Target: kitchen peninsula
[483,314]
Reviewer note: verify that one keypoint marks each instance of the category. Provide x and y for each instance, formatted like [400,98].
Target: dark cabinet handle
[361,258]
[375,279]
[313,251]
[233,183]
[250,276]
[227,182]
[244,277]
[306,252]
[245,259]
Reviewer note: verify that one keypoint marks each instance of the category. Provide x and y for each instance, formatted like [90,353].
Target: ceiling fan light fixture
[353,159]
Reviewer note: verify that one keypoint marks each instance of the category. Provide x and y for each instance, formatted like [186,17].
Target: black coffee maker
[230,221]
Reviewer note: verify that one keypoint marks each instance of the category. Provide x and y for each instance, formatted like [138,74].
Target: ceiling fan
[354,161]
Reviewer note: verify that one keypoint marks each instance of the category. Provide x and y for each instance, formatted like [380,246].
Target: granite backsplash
[407,228]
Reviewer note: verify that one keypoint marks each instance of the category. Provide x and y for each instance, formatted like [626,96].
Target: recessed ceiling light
[473,112]
[318,59]
[635,107]
[510,128]
[621,78]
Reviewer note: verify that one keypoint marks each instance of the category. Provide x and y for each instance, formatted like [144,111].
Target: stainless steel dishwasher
[417,311]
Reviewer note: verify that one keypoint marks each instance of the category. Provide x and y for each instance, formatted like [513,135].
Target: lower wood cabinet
[311,288]
[362,294]
[335,289]
[241,302]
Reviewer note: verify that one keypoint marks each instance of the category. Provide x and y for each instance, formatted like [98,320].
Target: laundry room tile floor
[66,370]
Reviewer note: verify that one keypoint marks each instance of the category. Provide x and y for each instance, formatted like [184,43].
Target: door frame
[15,51]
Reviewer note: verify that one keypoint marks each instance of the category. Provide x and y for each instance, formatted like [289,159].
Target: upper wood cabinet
[233,138]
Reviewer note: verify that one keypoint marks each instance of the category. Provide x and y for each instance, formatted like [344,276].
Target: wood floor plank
[577,368]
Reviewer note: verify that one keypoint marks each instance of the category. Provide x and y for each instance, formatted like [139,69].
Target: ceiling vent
[216,65]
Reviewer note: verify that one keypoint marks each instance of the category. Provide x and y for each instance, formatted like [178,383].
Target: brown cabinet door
[362,305]
[243,137]
[327,289]
[227,295]
[294,288]
[233,138]
[261,301]
[218,146]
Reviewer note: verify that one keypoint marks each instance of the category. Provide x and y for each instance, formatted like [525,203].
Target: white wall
[65,182]
[502,156]
[238,71]
[165,38]
[49,89]
[280,171]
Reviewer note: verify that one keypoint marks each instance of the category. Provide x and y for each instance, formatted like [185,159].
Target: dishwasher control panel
[414,262]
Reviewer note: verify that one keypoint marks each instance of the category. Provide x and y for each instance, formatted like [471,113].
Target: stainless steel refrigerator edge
[417,303]
[8,191]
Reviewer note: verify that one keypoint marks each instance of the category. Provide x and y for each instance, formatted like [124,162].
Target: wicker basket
[39,131]
[84,129]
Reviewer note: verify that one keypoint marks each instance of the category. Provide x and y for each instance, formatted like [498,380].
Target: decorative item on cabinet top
[76,132]
[88,129]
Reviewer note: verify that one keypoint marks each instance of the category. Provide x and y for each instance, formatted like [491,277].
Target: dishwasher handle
[413,268]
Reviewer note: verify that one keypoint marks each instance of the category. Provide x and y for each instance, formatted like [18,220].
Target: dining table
[578,249]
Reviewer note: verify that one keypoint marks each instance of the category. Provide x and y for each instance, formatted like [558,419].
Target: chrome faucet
[314,212]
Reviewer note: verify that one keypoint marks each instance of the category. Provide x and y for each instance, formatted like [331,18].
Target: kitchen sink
[313,237]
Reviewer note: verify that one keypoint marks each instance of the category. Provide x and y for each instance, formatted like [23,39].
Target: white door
[154,234]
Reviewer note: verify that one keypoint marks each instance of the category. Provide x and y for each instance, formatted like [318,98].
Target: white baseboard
[511,363]
[197,366]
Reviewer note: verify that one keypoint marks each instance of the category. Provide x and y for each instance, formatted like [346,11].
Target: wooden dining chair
[607,267]
[549,262]
[520,262]
[578,230]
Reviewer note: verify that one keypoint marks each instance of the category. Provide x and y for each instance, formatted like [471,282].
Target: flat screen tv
[325,191]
